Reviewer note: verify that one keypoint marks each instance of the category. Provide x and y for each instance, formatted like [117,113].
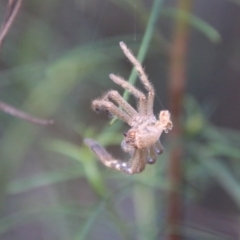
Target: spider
[141,141]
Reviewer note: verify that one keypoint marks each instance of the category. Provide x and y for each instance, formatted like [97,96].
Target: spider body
[141,141]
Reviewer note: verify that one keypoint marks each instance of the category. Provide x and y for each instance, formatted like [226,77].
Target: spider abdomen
[143,137]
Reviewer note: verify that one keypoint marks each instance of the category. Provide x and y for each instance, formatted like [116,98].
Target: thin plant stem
[11,13]
[177,82]
[144,199]
[20,114]
[86,229]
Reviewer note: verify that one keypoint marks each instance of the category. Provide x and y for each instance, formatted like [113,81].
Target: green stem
[144,199]
[86,229]
[156,7]
[145,210]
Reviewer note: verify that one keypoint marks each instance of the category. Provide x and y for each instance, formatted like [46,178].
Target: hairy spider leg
[106,158]
[99,105]
[138,162]
[143,77]
[135,165]
[117,98]
[142,101]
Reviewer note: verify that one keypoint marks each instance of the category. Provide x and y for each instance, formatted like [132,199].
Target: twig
[20,114]
[12,10]
[177,88]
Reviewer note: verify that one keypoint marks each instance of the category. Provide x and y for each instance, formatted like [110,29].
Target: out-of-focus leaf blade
[45,179]
[83,155]
[82,235]
[224,177]
[210,32]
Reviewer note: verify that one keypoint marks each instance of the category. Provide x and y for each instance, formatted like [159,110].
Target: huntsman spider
[141,141]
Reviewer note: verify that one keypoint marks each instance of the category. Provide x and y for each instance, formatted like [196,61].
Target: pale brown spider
[141,141]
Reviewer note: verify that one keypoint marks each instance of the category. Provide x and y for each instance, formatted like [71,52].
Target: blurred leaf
[195,121]
[196,22]
[86,229]
[110,135]
[224,177]
[232,135]
[225,150]
[28,216]
[207,157]
[45,179]
[83,155]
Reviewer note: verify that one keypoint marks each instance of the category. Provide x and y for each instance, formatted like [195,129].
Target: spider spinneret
[141,141]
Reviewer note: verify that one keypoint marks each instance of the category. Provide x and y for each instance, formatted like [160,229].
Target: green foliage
[62,87]
[197,23]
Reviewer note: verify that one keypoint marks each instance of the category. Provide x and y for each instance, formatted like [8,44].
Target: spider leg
[135,165]
[138,161]
[109,107]
[158,147]
[152,155]
[142,105]
[142,75]
[117,98]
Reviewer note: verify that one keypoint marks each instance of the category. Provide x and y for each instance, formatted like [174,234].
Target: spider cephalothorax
[141,141]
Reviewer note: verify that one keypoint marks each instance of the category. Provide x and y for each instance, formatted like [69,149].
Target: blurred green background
[55,60]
